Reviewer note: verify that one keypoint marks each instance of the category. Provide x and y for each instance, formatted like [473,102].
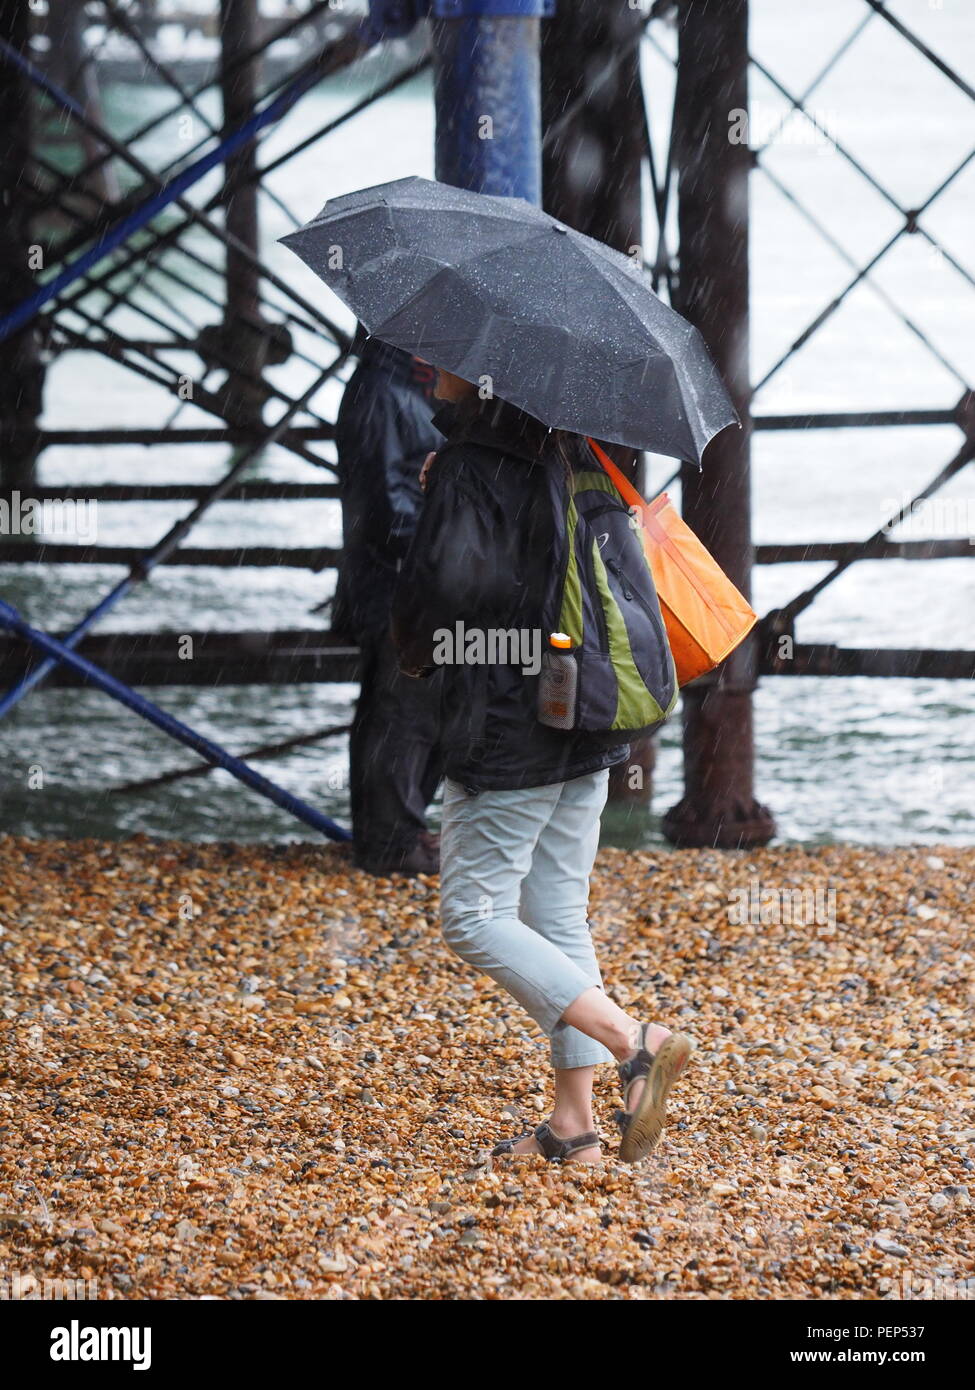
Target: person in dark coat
[522,800]
[383,435]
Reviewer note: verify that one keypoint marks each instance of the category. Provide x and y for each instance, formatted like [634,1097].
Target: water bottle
[557,684]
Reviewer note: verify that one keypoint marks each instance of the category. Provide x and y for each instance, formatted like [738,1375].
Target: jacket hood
[494,423]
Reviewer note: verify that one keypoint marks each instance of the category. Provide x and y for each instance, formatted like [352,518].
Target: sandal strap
[506,1145]
[638,1065]
[635,1067]
[558,1150]
[623,1119]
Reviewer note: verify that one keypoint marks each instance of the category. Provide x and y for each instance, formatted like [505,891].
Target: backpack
[602,595]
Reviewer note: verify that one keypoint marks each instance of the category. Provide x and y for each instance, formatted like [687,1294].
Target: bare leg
[595,1014]
[571,1114]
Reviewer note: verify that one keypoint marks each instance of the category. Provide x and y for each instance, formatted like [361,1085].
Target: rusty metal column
[718,807]
[74,68]
[592,165]
[592,169]
[243,339]
[21,364]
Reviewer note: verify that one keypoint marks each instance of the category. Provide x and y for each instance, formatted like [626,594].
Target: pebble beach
[254,1072]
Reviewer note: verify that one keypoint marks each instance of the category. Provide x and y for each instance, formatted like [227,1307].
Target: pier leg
[719,806]
[21,365]
[591,180]
[73,68]
[243,339]
[591,166]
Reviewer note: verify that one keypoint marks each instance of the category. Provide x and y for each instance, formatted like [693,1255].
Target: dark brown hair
[569,448]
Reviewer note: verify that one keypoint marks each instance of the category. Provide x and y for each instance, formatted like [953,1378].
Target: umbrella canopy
[562,326]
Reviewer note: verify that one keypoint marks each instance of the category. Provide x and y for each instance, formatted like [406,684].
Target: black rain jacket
[383,433]
[482,555]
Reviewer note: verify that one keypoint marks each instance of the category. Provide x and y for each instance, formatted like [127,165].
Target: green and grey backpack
[603,597]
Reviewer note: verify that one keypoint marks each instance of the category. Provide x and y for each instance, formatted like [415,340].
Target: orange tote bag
[704,614]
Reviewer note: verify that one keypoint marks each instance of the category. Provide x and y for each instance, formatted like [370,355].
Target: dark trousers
[395,763]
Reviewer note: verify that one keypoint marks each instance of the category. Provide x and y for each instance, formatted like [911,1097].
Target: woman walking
[522,800]
[556,328]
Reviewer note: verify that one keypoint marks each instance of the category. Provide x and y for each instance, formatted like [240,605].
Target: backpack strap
[620,481]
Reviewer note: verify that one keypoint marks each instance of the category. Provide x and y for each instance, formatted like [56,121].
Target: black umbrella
[493,288]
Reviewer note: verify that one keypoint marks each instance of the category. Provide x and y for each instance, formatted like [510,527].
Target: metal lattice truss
[135,278]
[876,546]
[147,275]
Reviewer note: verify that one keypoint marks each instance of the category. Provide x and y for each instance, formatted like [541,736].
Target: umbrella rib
[618,292]
[424,289]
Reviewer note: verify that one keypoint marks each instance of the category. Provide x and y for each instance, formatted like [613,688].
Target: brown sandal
[641,1129]
[553,1148]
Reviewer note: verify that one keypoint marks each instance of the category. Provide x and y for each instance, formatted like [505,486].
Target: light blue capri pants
[514,893]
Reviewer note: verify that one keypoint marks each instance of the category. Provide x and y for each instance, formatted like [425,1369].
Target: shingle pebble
[301,1085]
